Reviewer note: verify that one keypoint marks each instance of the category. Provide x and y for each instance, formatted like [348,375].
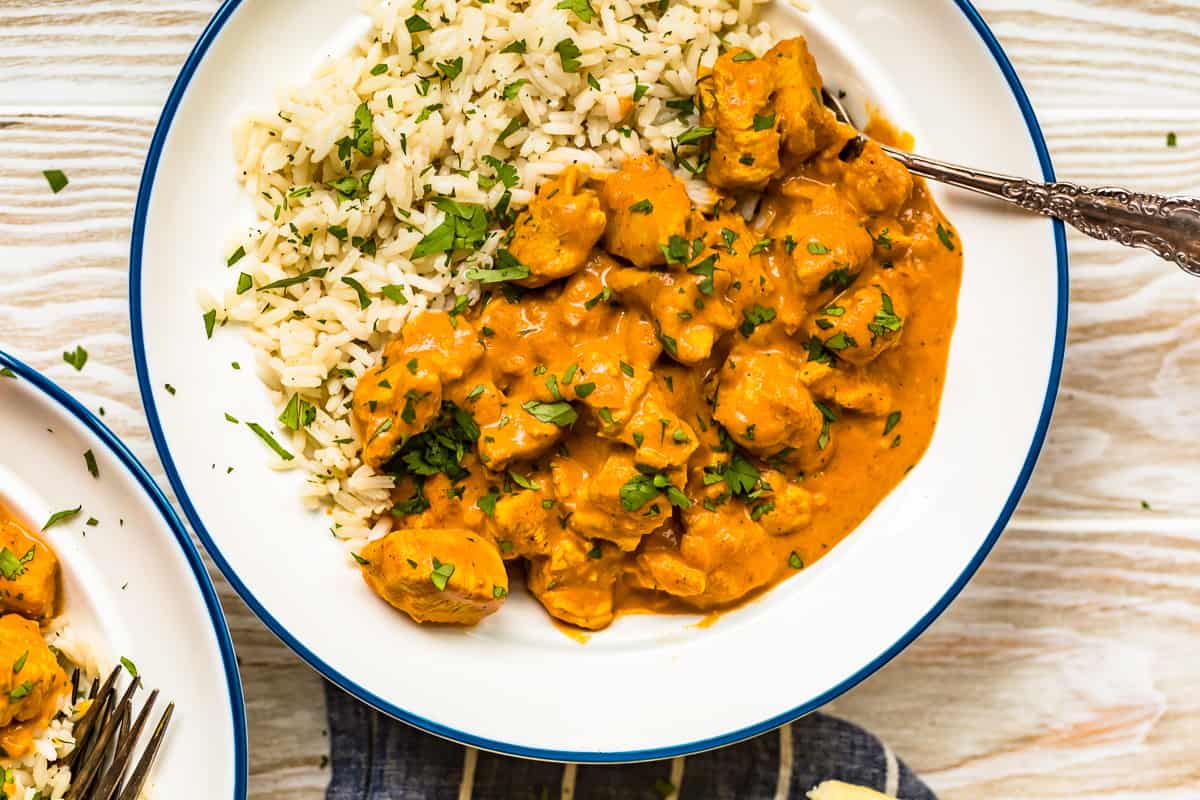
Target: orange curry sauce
[663,407]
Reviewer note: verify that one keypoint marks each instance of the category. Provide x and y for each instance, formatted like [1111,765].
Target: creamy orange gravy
[679,409]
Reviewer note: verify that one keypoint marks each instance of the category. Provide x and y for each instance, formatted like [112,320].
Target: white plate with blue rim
[648,687]
[134,585]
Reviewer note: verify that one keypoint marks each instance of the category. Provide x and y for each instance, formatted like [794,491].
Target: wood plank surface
[1067,669]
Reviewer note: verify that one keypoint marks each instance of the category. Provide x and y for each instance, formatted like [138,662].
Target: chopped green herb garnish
[560,413]
[893,419]
[363,130]
[450,69]
[395,293]
[364,299]
[642,206]
[487,504]
[753,317]
[946,237]
[839,279]
[582,8]
[76,358]
[840,341]
[693,135]
[604,296]
[56,178]
[295,279]
[513,89]
[299,413]
[568,55]
[764,123]
[507,269]
[270,441]
[62,516]
[12,567]
[416,24]
[441,574]
[89,458]
[761,245]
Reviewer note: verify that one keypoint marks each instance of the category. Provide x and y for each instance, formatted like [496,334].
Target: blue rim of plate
[606,757]
[237,706]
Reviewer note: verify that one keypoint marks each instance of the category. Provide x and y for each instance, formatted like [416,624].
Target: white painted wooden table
[1071,665]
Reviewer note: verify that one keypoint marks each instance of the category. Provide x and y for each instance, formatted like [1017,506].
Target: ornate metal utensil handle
[1169,227]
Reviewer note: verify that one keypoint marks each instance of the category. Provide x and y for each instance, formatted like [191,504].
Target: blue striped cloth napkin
[376,758]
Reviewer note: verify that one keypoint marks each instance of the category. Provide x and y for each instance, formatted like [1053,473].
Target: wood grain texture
[1067,668]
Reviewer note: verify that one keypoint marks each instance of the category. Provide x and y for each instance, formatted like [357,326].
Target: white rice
[39,774]
[314,339]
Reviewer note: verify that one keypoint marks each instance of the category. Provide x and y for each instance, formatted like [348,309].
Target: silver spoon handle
[1169,227]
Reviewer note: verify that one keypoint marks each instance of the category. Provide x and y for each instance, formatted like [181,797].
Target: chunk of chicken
[853,390]
[600,509]
[666,571]
[662,440]
[860,325]
[876,182]
[28,573]
[788,507]
[806,124]
[689,313]
[555,234]
[732,551]
[523,525]
[763,404]
[830,246]
[645,205]
[575,582]
[611,380]
[31,684]
[449,575]
[401,395]
[736,101]
[509,431]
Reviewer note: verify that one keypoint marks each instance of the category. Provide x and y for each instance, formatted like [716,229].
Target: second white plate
[134,583]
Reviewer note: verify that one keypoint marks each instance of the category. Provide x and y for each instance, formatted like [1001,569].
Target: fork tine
[84,726]
[85,743]
[142,770]
[115,773]
[82,780]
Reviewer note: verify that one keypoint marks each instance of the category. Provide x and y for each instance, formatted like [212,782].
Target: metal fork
[1169,227]
[106,740]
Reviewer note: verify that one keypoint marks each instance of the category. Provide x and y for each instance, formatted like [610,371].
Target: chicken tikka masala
[664,407]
